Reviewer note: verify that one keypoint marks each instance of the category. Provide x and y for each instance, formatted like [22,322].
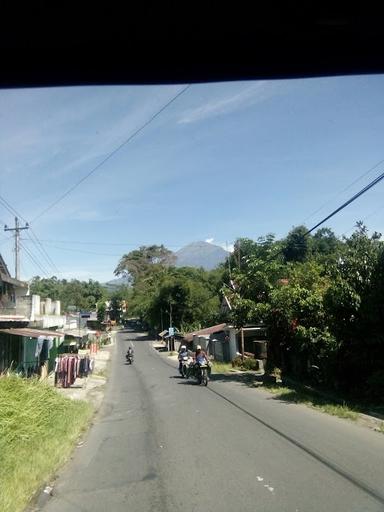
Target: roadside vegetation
[219,367]
[38,429]
[301,395]
[321,298]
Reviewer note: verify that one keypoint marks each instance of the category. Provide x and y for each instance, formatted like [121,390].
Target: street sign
[171,331]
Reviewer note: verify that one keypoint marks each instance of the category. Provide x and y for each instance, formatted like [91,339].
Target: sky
[222,161]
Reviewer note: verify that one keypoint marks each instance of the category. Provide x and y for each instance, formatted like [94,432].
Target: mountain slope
[200,254]
[115,284]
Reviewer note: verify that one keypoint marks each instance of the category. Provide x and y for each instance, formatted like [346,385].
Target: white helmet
[198,347]
[183,347]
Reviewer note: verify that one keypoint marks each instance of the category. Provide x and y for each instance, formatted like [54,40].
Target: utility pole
[17,230]
[170,313]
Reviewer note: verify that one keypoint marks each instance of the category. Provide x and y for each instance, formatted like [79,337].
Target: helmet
[198,347]
[183,347]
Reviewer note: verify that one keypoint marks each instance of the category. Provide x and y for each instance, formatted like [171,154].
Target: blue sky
[224,160]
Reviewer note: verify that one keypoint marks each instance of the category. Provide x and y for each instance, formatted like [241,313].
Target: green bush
[247,364]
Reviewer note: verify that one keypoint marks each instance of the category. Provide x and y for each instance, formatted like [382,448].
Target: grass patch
[304,396]
[38,428]
[220,367]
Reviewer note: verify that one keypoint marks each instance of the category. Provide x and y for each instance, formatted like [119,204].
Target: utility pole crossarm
[17,230]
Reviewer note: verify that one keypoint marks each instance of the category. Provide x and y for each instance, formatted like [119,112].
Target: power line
[11,209]
[112,153]
[42,251]
[33,259]
[363,219]
[82,251]
[36,241]
[344,190]
[351,200]
[344,205]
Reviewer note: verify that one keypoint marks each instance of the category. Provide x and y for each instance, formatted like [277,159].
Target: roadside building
[29,341]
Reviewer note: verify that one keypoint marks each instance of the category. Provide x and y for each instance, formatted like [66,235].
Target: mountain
[200,254]
[115,284]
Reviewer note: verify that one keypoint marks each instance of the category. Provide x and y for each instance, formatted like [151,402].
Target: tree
[351,304]
[80,294]
[137,263]
[297,245]
[101,310]
[325,243]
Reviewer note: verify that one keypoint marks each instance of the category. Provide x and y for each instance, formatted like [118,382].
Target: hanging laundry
[39,345]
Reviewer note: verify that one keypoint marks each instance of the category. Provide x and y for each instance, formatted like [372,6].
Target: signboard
[171,331]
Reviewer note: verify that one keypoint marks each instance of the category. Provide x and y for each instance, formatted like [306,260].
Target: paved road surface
[161,443]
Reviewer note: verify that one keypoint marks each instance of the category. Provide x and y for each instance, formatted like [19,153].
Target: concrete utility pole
[17,230]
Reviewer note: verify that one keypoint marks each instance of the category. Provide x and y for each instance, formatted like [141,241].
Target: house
[214,339]
[14,304]
[28,327]
[27,350]
[225,342]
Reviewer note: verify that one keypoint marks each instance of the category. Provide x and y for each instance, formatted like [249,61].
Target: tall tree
[137,263]
[297,244]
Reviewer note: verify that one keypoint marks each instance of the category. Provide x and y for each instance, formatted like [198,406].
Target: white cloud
[256,93]
[225,246]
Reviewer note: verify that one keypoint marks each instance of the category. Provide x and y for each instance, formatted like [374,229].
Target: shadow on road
[189,382]
[247,379]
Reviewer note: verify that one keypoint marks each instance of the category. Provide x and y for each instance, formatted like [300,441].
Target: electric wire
[112,153]
[33,259]
[339,209]
[344,190]
[35,241]
[348,202]
[43,251]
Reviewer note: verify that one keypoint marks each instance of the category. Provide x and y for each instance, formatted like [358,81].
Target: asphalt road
[160,443]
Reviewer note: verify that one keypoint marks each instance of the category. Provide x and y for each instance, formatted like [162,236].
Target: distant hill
[115,284]
[200,254]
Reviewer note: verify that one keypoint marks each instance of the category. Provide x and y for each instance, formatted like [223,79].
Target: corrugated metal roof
[31,333]
[207,330]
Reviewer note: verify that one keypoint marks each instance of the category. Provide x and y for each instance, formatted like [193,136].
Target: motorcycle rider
[183,352]
[130,353]
[201,356]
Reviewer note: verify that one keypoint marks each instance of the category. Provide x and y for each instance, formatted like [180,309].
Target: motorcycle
[200,372]
[183,366]
[129,358]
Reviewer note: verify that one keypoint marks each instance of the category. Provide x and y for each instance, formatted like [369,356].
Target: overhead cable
[351,200]
[344,189]
[112,153]
[33,259]
[34,240]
